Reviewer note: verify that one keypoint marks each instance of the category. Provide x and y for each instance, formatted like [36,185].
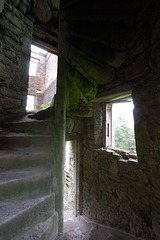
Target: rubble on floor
[75,230]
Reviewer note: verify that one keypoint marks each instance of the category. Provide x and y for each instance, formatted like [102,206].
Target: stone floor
[75,230]
[72,228]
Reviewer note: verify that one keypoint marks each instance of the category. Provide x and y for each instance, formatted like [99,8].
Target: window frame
[109,142]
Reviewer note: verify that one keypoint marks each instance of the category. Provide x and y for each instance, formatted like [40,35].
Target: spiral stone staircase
[27,201]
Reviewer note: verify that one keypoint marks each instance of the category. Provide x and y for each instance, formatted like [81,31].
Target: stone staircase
[27,201]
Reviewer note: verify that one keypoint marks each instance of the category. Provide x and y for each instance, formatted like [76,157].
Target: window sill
[122,155]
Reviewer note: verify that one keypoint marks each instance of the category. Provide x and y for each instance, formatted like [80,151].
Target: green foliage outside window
[124,134]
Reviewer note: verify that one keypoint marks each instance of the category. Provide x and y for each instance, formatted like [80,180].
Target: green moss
[72,95]
[92,71]
[79,89]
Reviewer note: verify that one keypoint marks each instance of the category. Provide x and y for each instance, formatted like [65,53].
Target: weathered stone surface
[79,88]
[138,67]
[92,71]
[16,31]
[42,11]
[2,5]
[114,192]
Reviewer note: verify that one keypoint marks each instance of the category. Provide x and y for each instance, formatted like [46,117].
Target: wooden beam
[50,28]
[39,30]
[42,43]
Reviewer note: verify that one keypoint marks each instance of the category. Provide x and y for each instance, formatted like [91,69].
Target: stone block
[42,11]
[138,43]
[138,67]
[156,224]
[1,5]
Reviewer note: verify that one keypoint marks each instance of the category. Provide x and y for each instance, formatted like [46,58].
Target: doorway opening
[42,79]
[69,176]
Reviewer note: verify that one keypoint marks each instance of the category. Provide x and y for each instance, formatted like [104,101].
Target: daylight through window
[30,103]
[120,126]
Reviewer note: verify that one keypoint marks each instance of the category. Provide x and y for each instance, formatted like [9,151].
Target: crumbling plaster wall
[15,41]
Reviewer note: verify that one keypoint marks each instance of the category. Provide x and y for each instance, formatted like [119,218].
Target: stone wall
[49,93]
[15,41]
[111,190]
[43,84]
[124,193]
[51,78]
[51,69]
[37,82]
[110,57]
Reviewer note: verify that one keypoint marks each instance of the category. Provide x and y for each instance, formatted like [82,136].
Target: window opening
[120,126]
[42,78]
[32,67]
[30,103]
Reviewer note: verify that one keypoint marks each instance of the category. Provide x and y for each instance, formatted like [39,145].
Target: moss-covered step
[22,184]
[17,217]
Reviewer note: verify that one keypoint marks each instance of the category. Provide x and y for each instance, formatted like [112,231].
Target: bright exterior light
[38,50]
[123,126]
[32,68]
[30,103]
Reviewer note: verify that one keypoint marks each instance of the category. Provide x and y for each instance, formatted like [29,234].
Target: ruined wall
[51,78]
[109,56]
[118,192]
[15,40]
[115,193]
[43,84]
[51,68]
[37,82]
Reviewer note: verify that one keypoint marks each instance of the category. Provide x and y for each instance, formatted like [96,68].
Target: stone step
[21,184]
[31,126]
[18,217]
[11,141]
[47,230]
[24,159]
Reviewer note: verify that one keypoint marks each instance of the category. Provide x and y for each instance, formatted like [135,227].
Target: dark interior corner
[108,52]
